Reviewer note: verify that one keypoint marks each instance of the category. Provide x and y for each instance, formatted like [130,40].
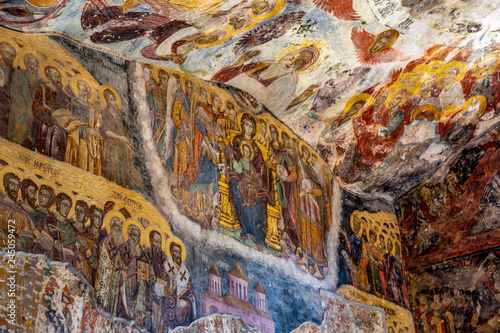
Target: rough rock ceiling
[387,90]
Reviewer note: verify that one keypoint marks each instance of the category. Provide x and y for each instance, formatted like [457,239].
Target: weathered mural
[399,320]
[369,250]
[61,105]
[455,212]
[458,295]
[38,296]
[394,135]
[346,316]
[241,173]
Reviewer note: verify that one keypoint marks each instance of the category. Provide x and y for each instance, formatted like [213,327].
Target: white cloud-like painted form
[193,232]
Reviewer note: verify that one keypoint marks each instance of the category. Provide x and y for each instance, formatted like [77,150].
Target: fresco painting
[342,315]
[56,107]
[210,166]
[242,174]
[454,212]
[369,250]
[457,295]
[399,320]
[51,298]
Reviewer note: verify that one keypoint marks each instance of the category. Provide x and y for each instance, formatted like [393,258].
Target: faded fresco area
[62,106]
[238,171]
[202,165]
[457,295]
[399,319]
[369,250]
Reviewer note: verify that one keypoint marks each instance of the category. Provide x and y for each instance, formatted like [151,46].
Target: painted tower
[237,301]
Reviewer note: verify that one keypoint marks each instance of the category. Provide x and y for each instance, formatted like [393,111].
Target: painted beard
[117,239]
[135,249]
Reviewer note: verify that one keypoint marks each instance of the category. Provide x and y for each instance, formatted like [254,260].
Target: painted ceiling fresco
[330,70]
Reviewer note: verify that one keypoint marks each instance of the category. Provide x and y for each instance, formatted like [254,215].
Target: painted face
[260,6]
[13,188]
[176,252]
[246,151]
[31,62]
[203,94]
[96,218]
[356,226]
[426,194]
[156,241]
[248,127]
[354,110]
[64,207]
[84,92]
[116,225]
[306,154]
[111,99]
[55,77]
[44,198]
[80,214]
[163,79]
[273,131]
[8,53]
[427,85]
[31,196]
[380,44]
[389,245]
[216,101]
[449,76]
[395,101]
[206,39]
[381,100]
[189,88]
[134,234]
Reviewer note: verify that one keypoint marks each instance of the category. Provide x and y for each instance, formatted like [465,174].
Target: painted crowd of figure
[240,173]
[470,306]
[52,105]
[448,96]
[135,266]
[370,258]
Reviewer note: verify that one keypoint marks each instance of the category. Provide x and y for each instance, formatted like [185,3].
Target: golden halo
[156,71]
[59,181]
[314,43]
[23,52]
[450,111]
[109,216]
[148,232]
[40,174]
[44,3]
[304,144]
[96,203]
[101,96]
[52,63]
[412,78]
[427,107]
[240,124]
[7,160]
[10,42]
[121,205]
[49,184]
[245,143]
[10,169]
[392,32]
[280,4]
[482,104]
[474,68]
[422,79]
[246,27]
[356,98]
[144,215]
[462,69]
[75,189]
[83,198]
[394,93]
[287,131]
[130,222]
[173,239]
[72,197]
[434,67]
[89,81]
[227,29]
